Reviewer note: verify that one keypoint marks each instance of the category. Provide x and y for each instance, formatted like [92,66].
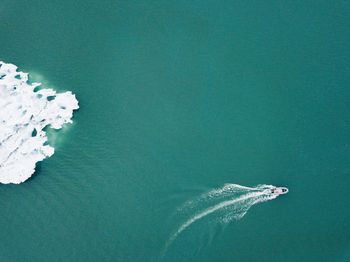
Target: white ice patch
[24,112]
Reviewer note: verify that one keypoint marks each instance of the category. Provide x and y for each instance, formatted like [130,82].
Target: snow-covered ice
[24,112]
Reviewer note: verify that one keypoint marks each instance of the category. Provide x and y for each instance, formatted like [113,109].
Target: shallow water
[177,99]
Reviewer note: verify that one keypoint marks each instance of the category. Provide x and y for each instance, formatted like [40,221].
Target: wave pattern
[230,202]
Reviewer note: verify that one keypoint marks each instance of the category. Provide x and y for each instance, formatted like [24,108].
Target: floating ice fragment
[24,112]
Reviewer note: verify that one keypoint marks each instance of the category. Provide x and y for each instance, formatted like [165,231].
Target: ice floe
[24,112]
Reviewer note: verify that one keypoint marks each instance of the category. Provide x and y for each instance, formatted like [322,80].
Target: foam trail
[241,199]
[218,193]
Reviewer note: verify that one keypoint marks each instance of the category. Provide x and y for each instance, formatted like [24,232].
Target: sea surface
[178,98]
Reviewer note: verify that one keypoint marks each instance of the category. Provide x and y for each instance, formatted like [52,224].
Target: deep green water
[178,97]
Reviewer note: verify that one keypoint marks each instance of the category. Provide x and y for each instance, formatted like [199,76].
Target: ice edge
[24,112]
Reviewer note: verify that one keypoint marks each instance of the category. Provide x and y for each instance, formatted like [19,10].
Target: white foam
[24,112]
[232,200]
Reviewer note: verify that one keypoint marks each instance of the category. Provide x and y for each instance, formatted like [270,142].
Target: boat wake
[231,202]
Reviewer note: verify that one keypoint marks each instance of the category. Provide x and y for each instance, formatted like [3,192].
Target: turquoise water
[177,98]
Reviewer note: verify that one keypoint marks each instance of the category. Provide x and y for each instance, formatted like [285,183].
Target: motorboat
[279,190]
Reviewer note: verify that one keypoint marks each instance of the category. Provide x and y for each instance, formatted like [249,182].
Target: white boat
[279,190]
